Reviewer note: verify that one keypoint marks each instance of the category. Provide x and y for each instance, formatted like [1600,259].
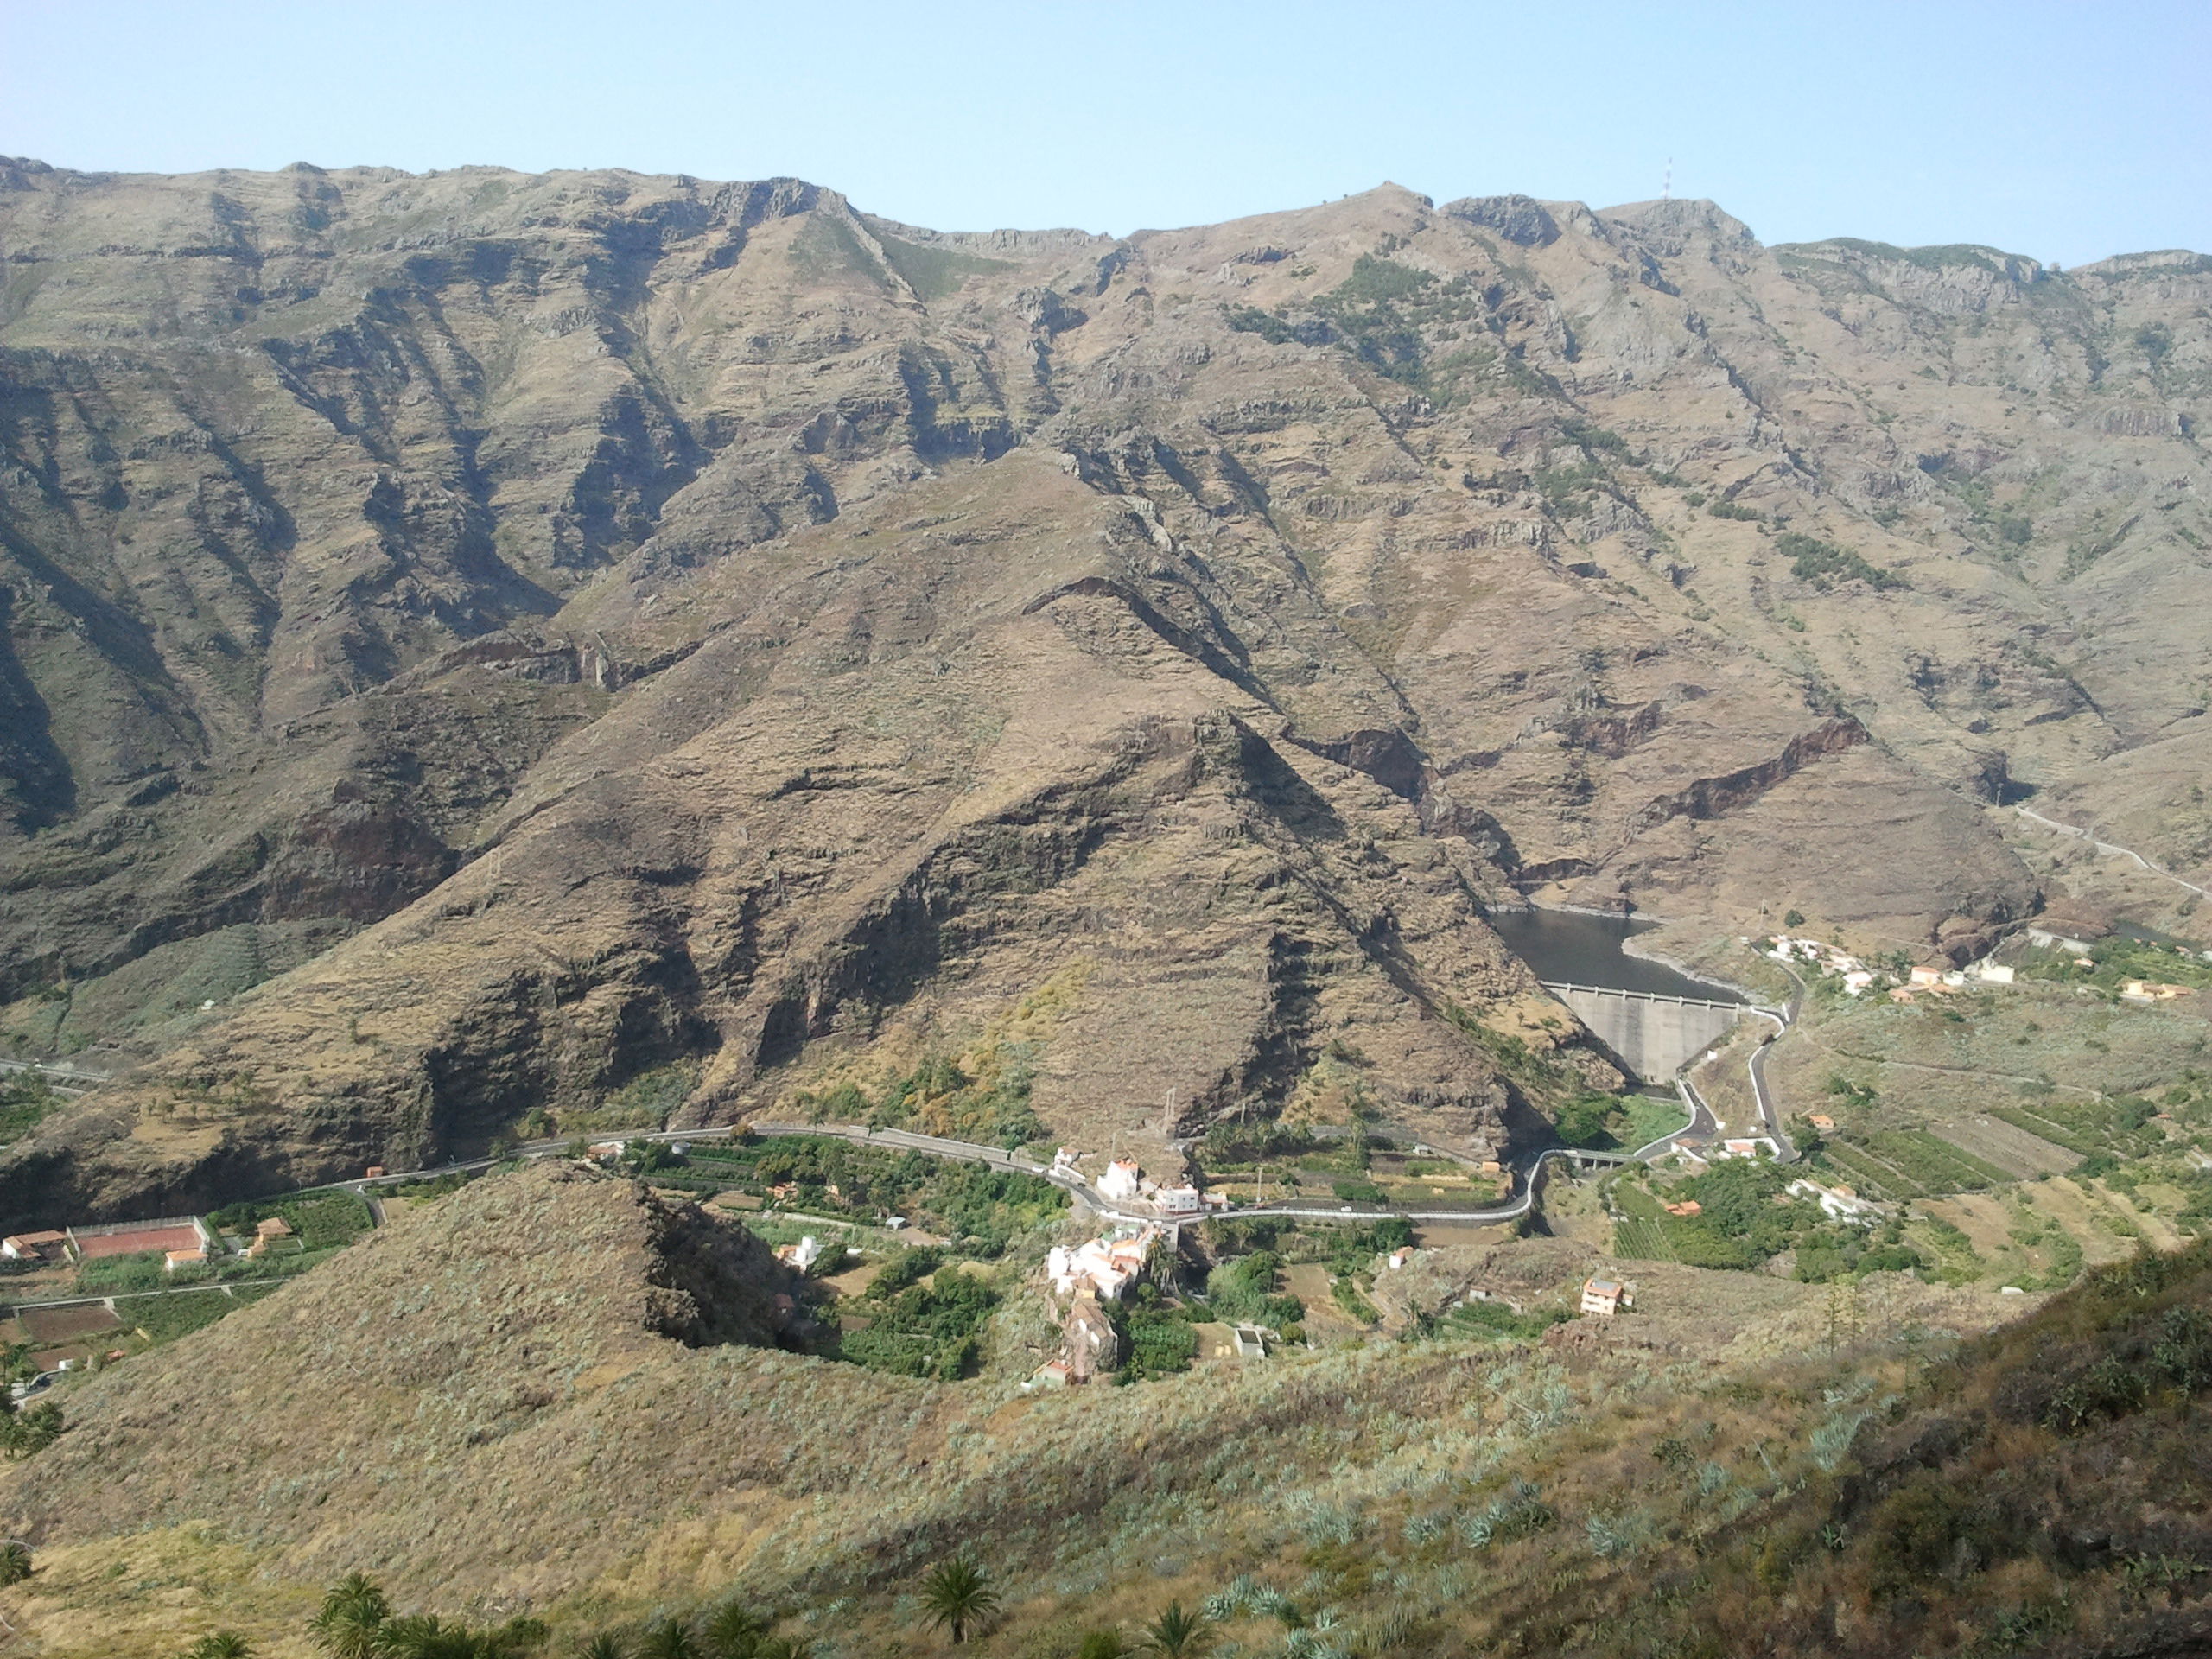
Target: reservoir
[1578,949]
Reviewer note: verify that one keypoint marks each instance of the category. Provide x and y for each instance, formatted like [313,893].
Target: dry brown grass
[460,1408]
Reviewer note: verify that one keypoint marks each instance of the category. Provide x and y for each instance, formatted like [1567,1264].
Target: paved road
[1962,1071]
[13,1308]
[1770,1118]
[88,1079]
[2111,849]
[1080,1191]
[1702,1125]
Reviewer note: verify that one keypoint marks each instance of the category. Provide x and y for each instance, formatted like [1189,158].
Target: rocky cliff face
[670,629]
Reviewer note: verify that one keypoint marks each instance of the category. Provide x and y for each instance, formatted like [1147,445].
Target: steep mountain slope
[681,624]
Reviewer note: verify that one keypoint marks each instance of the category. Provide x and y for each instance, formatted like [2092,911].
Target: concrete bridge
[1654,1035]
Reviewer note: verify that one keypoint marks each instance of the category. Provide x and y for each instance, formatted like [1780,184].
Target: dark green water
[1569,946]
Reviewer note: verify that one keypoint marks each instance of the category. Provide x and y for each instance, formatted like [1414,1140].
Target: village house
[803,1255]
[1925,976]
[2044,938]
[1103,1266]
[1820,1120]
[36,1247]
[1093,1349]
[1603,1298]
[2150,991]
[1838,1203]
[1184,1200]
[1828,958]
[1992,973]
[1120,1181]
[175,1259]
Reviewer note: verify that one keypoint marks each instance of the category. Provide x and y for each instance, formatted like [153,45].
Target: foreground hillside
[548,1395]
[476,644]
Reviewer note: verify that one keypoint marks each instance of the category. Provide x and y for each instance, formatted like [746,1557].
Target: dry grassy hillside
[542,1395]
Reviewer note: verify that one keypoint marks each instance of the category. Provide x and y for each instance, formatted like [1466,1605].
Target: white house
[1184,1200]
[1606,1297]
[1100,1267]
[1843,1206]
[1120,1180]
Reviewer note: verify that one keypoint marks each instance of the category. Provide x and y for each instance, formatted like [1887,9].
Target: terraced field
[2005,1144]
[1910,1164]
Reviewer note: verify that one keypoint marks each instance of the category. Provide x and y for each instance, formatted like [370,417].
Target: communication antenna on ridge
[1667,189]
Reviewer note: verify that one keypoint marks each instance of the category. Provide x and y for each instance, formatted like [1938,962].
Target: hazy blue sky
[2066,131]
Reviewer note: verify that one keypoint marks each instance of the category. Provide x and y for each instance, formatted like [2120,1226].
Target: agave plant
[1177,1633]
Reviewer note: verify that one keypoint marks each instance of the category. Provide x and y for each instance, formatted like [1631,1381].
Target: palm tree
[669,1639]
[1177,1634]
[422,1636]
[353,1610]
[605,1645]
[14,1563]
[224,1645]
[735,1632]
[957,1594]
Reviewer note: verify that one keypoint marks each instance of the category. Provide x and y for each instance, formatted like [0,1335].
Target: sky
[2066,131]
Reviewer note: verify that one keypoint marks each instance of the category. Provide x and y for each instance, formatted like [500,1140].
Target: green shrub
[25,1100]
[1245,1290]
[1159,1341]
[1824,564]
[1495,1321]
[923,1330]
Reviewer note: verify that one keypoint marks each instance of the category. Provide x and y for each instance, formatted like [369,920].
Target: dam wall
[1654,1035]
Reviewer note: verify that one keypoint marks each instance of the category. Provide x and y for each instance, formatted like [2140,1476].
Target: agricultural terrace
[2000,1134]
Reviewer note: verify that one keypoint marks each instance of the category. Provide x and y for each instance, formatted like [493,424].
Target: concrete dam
[1653,1034]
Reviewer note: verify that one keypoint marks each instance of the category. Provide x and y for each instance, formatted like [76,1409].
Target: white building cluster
[1837,1203]
[1123,1182]
[1858,978]
[1105,1265]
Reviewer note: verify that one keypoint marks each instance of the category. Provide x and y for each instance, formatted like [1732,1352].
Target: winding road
[2111,849]
[1526,1174]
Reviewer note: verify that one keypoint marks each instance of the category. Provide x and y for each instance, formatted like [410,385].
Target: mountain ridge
[552,609]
